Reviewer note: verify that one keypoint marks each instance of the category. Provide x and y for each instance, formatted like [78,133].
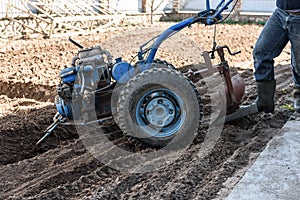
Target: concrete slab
[275,175]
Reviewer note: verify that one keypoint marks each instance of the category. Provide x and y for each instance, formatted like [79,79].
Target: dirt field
[62,168]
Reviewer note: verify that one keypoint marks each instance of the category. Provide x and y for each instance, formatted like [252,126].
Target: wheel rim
[160,113]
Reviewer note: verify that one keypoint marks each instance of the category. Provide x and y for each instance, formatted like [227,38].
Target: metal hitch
[56,120]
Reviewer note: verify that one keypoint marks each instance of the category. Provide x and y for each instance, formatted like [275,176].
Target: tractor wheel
[157,63]
[159,106]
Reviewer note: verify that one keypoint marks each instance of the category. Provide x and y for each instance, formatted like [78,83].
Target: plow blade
[242,112]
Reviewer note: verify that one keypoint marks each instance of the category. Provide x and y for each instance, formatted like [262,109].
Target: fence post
[176,4]
[144,6]
[238,7]
[236,14]
[7,8]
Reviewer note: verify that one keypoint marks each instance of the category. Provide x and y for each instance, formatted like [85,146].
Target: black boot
[265,96]
[296,96]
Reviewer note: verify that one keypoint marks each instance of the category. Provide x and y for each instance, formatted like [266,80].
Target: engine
[83,82]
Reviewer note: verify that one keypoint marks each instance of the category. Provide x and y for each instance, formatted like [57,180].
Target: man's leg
[294,36]
[269,45]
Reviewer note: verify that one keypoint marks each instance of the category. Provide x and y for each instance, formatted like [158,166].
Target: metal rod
[57,119]
[101,121]
[76,43]
[48,132]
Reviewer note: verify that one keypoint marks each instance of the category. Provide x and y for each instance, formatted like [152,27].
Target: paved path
[275,175]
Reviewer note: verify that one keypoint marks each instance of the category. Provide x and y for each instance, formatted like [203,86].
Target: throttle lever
[76,43]
[230,53]
[218,48]
[235,53]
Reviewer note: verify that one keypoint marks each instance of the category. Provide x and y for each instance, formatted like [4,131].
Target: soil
[62,168]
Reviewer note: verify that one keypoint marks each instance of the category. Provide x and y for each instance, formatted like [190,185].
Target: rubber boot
[296,95]
[265,96]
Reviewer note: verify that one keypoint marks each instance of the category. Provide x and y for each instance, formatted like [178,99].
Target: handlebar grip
[230,53]
[220,49]
[234,53]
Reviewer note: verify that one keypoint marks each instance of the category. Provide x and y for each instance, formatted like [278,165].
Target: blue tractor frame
[161,110]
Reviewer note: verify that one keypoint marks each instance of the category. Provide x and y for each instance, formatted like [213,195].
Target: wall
[140,5]
[246,5]
[126,5]
[167,5]
[258,5]
[196,5]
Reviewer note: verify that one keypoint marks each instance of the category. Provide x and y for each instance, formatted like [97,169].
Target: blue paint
[69,74]
[173,29]
[122,72]
[210,20]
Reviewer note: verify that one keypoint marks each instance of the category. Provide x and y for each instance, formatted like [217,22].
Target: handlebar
[212,16]
[207,17]
[229,51]
[220,51]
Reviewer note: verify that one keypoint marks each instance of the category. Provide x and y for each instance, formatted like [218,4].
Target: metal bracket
[57,119]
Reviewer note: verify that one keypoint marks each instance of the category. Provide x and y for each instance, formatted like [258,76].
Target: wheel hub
[160,112]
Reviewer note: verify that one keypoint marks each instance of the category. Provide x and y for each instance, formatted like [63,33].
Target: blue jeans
[278,31]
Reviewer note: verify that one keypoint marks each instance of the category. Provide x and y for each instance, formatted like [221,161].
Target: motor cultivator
[149,100]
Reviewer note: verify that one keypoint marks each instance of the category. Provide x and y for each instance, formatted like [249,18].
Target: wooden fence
[57,17]
[22,17]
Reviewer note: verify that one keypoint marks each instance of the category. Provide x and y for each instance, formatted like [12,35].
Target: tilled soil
[62,168]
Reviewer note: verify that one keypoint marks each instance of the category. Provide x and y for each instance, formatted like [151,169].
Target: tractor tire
[160,107]
[157,63]
[114,101]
